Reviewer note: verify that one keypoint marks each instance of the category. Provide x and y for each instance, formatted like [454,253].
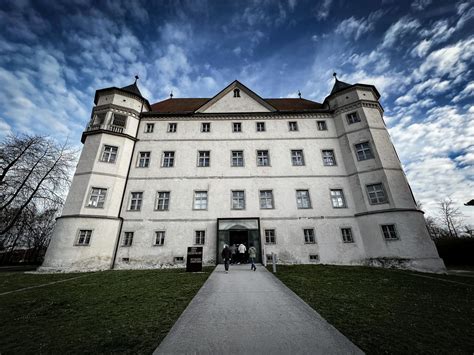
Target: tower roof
[133,89]
[339,85]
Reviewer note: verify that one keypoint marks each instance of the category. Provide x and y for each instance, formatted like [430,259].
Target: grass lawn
[105,312]
[389,311]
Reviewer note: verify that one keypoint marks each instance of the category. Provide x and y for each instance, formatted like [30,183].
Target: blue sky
[418,53]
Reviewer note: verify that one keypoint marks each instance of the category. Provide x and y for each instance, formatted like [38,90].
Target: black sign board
[194,259]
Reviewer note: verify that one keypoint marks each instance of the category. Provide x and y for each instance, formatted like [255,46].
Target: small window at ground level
[84,237]
[269,258]
[126,260]
[389,232]
[314,258]
[179,259]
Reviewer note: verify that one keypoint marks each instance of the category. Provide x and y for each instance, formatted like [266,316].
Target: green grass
[388,311]
[106,312]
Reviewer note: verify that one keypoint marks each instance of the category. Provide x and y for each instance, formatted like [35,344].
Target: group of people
[238,255]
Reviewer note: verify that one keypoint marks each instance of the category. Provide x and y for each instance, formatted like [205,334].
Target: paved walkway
[246,312]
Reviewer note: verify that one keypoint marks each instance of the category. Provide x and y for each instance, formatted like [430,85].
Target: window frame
[322,123]
[162,240]
[89,205]
[333,157]
[232,200]
[257,125]
[268,238]
[235,125]
[382,189]
[272,199]
[331,197]
[344,240]
[172,127]
[200,242]
[314,260]
[309,200]
[232,159]
[127,242]
[118,115]
[146,160]
[109,154]
[131,200]
[194,200]
[290,126]
[356,150]
[313,235]
[302,157]
[397,236]
[78,237]
[157,201]
[268,157]
[163,159]
[350,121]
[208,159]
[147,126]
[203,124]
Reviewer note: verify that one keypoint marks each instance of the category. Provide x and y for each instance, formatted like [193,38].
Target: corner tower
[393,230]
[86,233]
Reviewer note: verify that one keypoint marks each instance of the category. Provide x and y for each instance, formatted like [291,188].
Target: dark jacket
[226,253]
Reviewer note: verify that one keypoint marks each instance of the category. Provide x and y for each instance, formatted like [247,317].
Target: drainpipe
[114,257]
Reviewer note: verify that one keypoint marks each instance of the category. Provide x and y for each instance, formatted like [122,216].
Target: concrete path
[246,312]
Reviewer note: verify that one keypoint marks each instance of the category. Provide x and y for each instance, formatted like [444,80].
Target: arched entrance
[238,231]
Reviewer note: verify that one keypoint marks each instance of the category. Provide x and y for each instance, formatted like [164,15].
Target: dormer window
[236,92]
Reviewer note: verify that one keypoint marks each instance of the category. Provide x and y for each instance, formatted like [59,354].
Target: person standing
[226,255]
[242,250]
[233,250]
[252,256]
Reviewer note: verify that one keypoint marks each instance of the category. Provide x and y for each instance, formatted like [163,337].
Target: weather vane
[171,94]
[136,78]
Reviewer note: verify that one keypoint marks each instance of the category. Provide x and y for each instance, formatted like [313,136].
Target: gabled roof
[338,86]
[133,89]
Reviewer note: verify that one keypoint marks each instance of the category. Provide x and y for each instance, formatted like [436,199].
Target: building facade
[310,182]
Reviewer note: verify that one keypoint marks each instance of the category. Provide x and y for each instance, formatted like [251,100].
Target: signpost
[194,259]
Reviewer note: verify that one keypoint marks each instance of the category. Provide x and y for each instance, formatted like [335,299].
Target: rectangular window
[302,199]
[270,236]
[109,155]
[236,127]
[352,117]
[297,158]
[376,194]
[127,239]
[263,158]
[347,235]
[237,158]
[337,199]
[204,158]
[99,118]
[200,237]
[119,120]
[162,201]
[179,259]
[159,237]
[238,200]
[389,231]
[168,160]
[293,126]
[260,126]
[206,127]
[144,159]
[149,127]
[172,127]
[97,197]
[322,125]
[309,236]
[136,201]
[329,159]
[363,151]
[266,199]
[84,237]
[314,258]
[200,200]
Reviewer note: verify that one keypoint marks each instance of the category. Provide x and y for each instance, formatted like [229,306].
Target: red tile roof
[191,105]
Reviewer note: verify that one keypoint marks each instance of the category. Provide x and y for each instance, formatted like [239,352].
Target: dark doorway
[239,237]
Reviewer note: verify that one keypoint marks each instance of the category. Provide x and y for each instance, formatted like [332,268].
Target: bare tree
[34,175]
[450,216]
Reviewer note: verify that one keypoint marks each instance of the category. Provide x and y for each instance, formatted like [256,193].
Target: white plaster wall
[229,103]
[120,100]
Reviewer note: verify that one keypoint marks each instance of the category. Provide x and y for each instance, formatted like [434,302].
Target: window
[99,118]
[337,199]
[293,126]
[309,236]
[389,231]
[172,126]
[347,235]
[159,238]
[149,127]
[363,151]
[144,159]
[269,258]
[238,200]
[376,194]
[200,237]
[236,127]
[204,158]
[313,258]
[162,201]
[168,160]
[236,92]
[270,236]
[119,120]
[97,197]
[263,158]
[205,127]
[200,200]
[127,239]
[136,201]
[179,259]
[237,158]
[260,126]
[109,155]
[266,199]
[329,159]
[352,117]
[302,199]
[297,158]
[84,237]
[322,125]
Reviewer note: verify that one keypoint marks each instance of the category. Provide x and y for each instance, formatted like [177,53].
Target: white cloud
[468,91]
[237,50]
[322,9]
[399,29]
[354,28]
[419,5]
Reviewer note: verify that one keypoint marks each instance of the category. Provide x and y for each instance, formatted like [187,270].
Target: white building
[311,182]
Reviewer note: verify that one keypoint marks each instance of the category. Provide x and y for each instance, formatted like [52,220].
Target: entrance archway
[237,231]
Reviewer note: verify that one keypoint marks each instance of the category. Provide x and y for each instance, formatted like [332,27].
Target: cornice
[358,104]
[116,108]
[235,116]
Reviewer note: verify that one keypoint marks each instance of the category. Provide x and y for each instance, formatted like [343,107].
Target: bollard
[274,258]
